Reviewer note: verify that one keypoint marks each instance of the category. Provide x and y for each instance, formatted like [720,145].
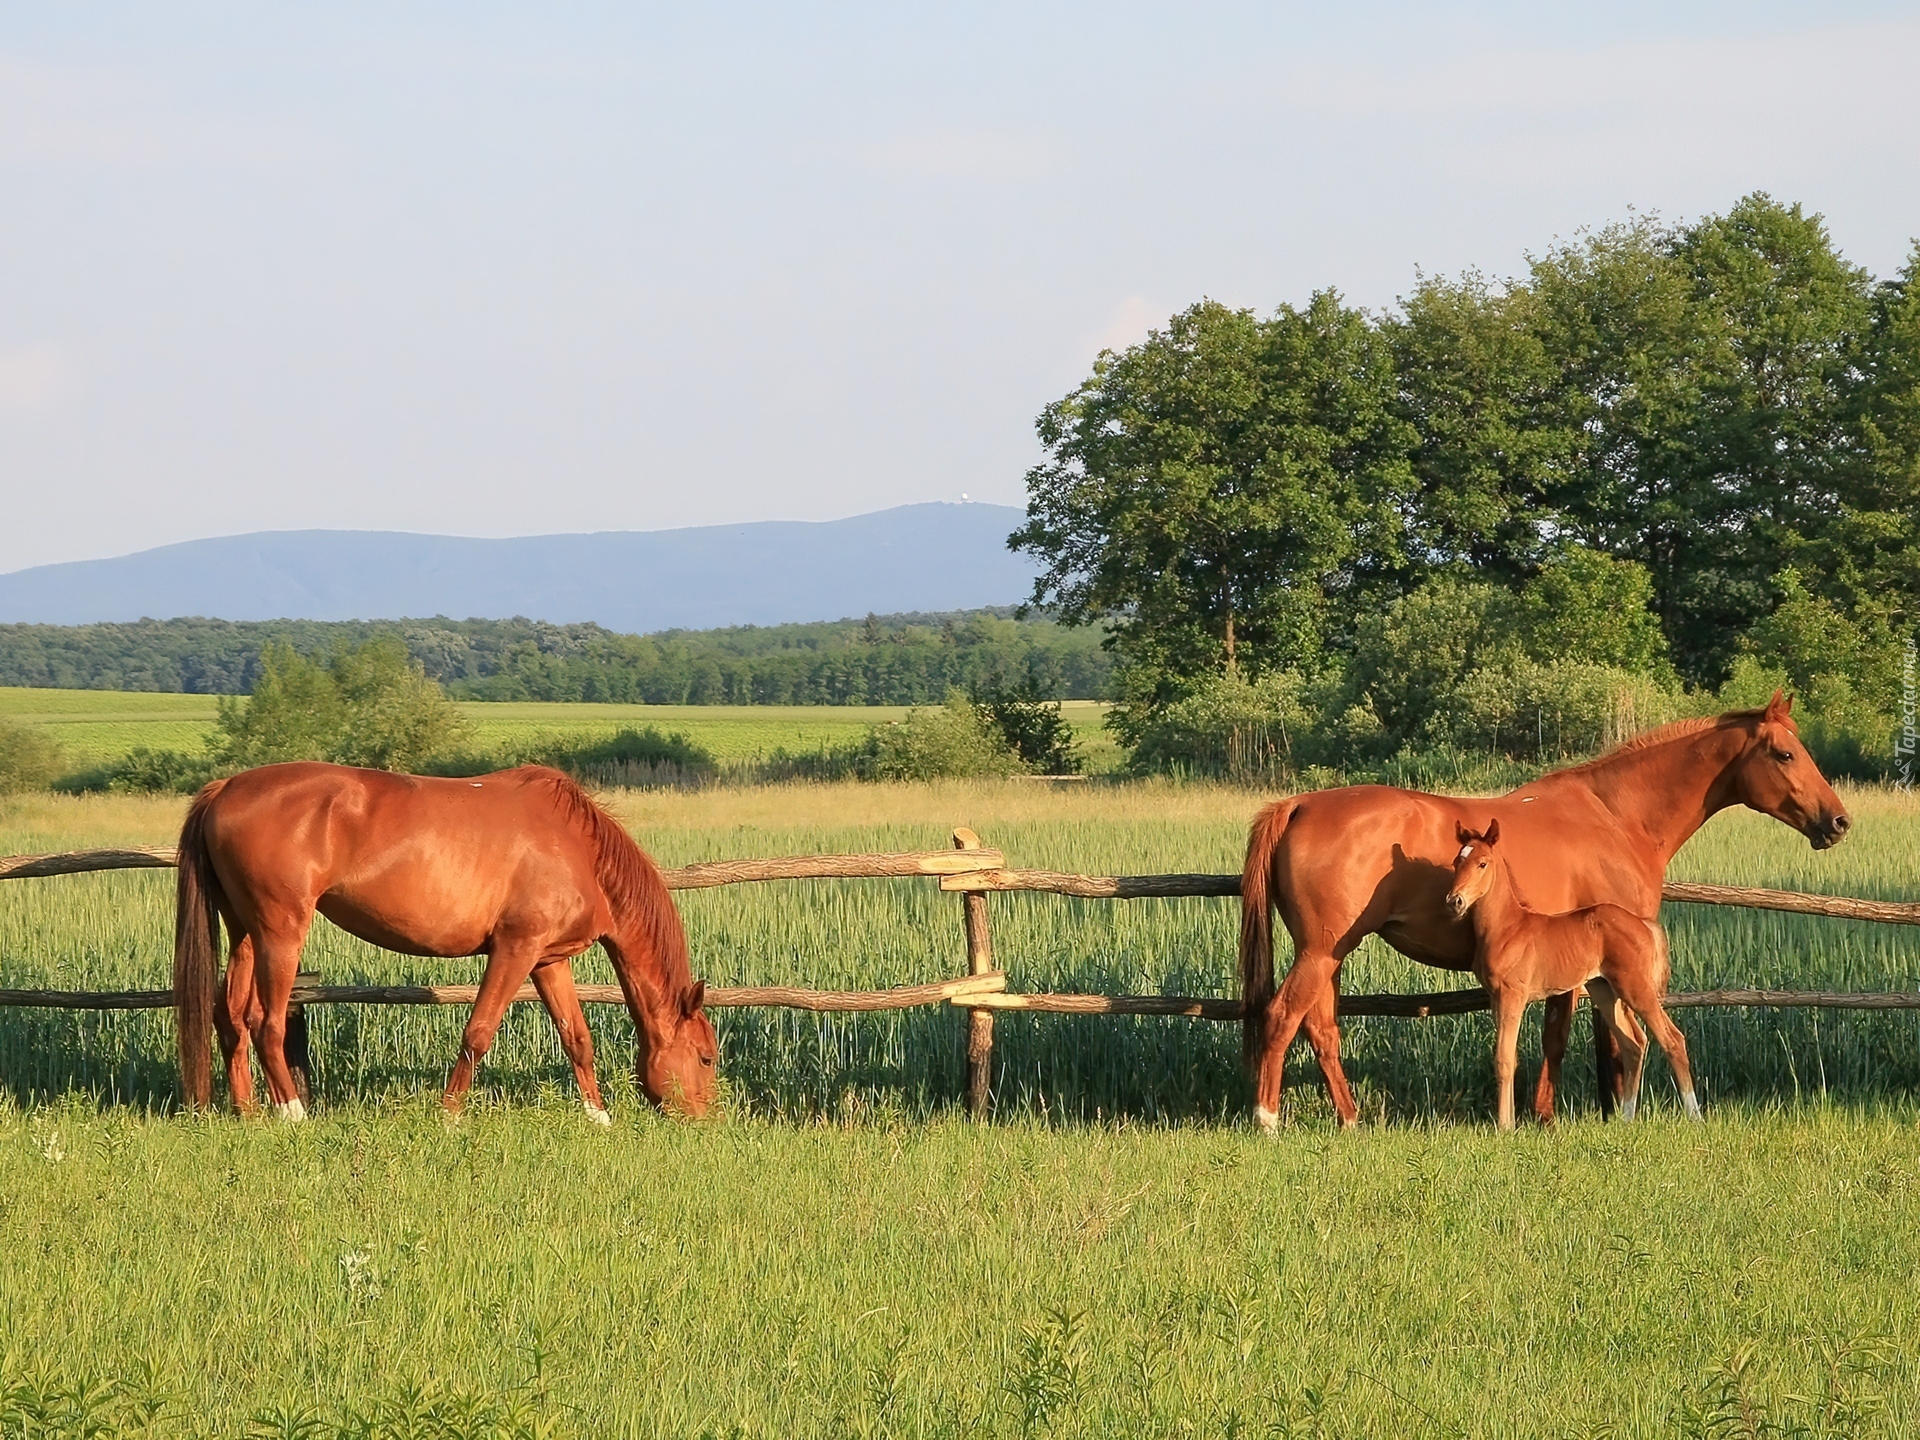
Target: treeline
[1685,456]
[910,659]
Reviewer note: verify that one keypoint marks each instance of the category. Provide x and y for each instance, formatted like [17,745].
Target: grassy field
[97,726]
[844,1256]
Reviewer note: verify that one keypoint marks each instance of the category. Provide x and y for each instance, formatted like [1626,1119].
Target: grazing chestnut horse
[519,866]
[1368,859]
[1522,955]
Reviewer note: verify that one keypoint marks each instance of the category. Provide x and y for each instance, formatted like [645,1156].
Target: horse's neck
[1668,791]
[1499,912]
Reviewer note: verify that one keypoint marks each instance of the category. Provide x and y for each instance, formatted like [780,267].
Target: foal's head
[678,1073]
[1474,870]
[1777,777]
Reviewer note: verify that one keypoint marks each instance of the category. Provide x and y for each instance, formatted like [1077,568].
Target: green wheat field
[844,1254]
[94,727]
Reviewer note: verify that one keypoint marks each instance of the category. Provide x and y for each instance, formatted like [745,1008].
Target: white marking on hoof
[598,1116]
[292,1110]
[1268,1120]
[1693,1105]
[1629,1107]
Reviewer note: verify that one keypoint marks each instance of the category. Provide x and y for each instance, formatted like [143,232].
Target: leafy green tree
[369,705]
[1224,493]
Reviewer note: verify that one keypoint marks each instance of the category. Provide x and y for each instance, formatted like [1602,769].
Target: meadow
[843,1254]
[95,727]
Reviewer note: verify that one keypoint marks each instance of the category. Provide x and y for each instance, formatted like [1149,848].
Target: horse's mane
[632,883]
[1662,734]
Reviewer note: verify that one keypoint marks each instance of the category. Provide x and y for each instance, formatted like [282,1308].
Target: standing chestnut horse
[1368,859]
[1522,955]
[519,866]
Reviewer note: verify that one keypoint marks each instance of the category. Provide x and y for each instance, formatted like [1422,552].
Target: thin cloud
[956,154]
[35,378]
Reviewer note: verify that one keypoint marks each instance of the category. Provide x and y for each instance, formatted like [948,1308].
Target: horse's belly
[1427,944]
[423,933]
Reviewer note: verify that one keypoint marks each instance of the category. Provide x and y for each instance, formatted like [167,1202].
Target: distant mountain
[931,557]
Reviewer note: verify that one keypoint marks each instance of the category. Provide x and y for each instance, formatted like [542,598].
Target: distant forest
[906,659]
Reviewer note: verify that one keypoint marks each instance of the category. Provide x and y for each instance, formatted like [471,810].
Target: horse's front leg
[554,980]
[1555,1029]
[507,970]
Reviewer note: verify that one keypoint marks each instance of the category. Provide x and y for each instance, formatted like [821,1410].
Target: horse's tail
[196,951]
[1256,922]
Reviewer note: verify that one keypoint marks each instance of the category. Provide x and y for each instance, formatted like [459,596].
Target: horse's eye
[1785,757]
[1483,864]
[707,1060]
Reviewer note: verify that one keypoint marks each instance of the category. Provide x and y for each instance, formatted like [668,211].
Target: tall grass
[114,931]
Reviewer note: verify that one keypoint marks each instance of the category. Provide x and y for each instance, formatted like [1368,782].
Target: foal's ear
[1493,832]
[1462,834]
[692,998]
[1779,707]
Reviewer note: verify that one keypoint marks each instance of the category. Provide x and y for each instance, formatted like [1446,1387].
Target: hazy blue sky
[498,270]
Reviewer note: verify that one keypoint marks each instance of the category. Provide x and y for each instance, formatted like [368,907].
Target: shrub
[1843,670]
[629,758]
[1032,726]
[951,742]
[368,705]
[29,759]
[1228,727]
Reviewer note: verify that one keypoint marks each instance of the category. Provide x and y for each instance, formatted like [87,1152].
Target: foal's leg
[1508,1008]
[554,980]
[1311,978]
[232,1022]
[506,972]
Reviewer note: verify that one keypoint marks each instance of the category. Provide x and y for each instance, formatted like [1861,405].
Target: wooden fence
[973,872]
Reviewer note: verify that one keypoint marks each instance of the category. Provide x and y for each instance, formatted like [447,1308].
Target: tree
[368,705]
[1225,493]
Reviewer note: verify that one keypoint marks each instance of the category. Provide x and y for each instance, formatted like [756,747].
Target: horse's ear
[1462,834]
[1493,832]
[692,999]
[1779,707]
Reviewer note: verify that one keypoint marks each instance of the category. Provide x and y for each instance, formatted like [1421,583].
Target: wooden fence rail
[974,871]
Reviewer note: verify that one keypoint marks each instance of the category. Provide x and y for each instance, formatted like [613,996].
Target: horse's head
[1776,776]
[677,1071]
[1473,869]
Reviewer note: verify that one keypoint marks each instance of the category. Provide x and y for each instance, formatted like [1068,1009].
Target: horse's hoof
[1268,1120]
[291,1109]
[599,1116]
[1629,1108]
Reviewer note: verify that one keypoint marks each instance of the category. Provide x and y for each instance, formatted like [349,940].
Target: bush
[1844,671]
[953,742]
[631,759]
[1032,727]
[29,759]
[368,705]
[1229,728]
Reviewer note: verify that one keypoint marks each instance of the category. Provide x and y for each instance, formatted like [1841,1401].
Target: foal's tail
[196,951]
[1256,922]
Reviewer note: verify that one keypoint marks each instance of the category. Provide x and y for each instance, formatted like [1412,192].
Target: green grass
[890,1279]
[842,1255]
[94,727]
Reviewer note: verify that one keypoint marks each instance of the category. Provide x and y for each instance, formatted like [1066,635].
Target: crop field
[97,726]
[844,1255]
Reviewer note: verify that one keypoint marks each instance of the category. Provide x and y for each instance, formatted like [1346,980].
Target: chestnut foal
[1522,955]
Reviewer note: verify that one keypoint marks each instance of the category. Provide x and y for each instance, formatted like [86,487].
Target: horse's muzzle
[1829,830]
[1457,903]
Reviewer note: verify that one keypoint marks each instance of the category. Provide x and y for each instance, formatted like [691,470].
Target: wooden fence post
[973,906]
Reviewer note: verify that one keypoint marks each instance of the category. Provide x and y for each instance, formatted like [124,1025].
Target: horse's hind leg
[232,1020]
[1322,1024]
[1633,1047]
[1310,982]
[554,980]
[276,963]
